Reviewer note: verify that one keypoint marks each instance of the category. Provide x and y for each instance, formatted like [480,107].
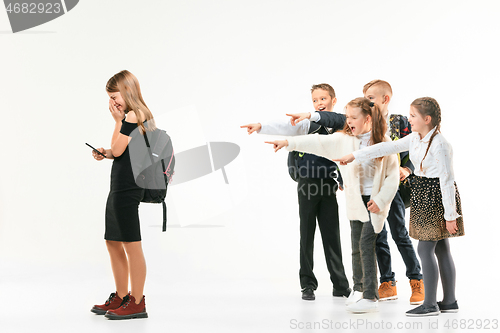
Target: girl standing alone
[123,233]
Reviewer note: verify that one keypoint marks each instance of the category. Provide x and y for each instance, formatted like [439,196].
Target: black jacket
[313,166]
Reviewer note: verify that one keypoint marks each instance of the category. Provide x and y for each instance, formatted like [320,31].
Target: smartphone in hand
[97,151]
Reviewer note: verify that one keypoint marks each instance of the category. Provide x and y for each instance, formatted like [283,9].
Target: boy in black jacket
[317,185]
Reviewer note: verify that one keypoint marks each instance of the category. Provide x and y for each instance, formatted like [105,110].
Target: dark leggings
[428,252]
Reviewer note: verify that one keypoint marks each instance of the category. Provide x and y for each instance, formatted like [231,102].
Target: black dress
[122,207]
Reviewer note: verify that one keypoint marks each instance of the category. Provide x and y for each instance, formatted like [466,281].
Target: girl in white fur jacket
[369,187]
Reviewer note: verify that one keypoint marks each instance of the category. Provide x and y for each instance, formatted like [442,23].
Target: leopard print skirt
[427,221]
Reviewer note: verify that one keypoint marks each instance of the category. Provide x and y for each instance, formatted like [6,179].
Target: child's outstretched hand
[345,160]
[298,117]
[278,144]
[252,127]
[372,207]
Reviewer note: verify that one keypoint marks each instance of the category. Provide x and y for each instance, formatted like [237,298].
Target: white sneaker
[363,306]
[353,297]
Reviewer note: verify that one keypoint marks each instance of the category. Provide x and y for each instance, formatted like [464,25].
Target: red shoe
[128,309]
[113,302]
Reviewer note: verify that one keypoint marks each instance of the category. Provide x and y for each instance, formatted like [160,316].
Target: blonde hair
[326,87]
[383,85]
[127,85]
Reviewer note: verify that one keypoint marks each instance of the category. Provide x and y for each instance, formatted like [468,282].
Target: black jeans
[396,220]
[364,262]
[317,199]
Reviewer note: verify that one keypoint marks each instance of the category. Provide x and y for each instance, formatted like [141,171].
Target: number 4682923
[485,324]
[34,8]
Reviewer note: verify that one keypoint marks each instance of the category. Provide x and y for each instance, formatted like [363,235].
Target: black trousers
[396,221]
[317,200]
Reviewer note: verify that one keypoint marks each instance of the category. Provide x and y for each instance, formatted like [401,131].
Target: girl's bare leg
[119,265]
[137,269]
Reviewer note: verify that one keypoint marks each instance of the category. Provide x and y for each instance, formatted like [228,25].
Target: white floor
[52,304]
[185,295]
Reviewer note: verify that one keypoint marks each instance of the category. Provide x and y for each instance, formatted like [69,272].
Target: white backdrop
[205,68]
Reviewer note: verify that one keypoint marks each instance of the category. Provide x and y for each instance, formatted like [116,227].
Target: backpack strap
[149,148]
[395,127]
[164,226]
[165,170]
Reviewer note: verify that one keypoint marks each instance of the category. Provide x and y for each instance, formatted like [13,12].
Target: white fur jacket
[385,182]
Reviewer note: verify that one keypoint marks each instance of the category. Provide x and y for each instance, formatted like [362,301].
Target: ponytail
[379,124]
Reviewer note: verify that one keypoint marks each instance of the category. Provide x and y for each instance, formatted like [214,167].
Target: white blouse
[437,164]
[366,167]
[284,127]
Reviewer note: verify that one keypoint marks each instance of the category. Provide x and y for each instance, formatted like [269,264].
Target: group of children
[386,152]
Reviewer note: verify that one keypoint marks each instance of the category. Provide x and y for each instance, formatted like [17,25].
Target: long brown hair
[127,85]
[428,106]
[368,108]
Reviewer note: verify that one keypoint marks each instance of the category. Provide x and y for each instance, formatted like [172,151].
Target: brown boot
[113,302]
[387,291]
[417,292]
[128,309]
